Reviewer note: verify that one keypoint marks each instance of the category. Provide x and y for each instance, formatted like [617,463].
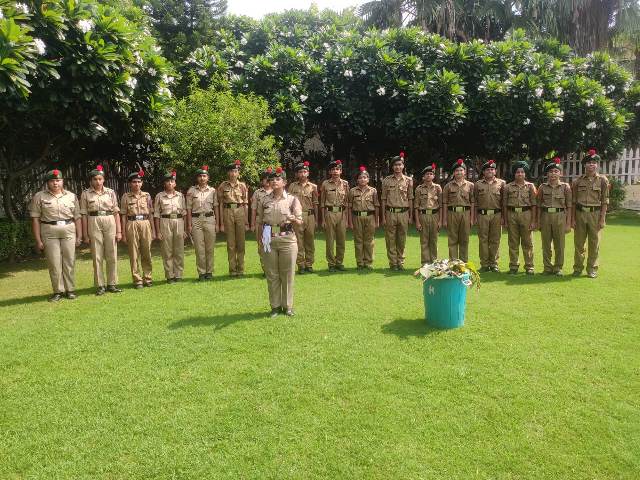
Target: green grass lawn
[193,380]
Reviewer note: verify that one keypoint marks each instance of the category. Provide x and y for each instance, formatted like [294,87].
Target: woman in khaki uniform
[520,211]
[233,197]
[307,194]
[333,201]
[427,203]
[363,211]
[488,193]
[554,216]
[202,212]
[57,229]
[458,205]
[256,198]
[136,210]
[277,213]
[101,230]
[169,212]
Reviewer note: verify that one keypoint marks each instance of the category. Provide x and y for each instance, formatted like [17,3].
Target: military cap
[136,175]
[459,163]
[429,168]
[265,173]
[54,174]
[488,164]
[520,164]
[362,171]
[398,158]
[302,166]
[170,175]
[591,156]
[278,172]
[335,164]
[99,170]
[555,163]
[203,170]
[235,165]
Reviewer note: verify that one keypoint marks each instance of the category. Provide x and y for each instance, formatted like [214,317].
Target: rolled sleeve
[83,204]
[35,209]
[114,199]
[156,209]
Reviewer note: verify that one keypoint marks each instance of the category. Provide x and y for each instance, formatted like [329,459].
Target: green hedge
[16,240]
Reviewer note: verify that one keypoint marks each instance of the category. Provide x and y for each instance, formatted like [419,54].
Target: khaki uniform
[333,198]
[363,203]
[138,209]
[280,262]
[307,195]
[590,196]
[100,209]
[256,198]
[427,202]
[170,209]
[520,201]
[488,197]
[397,196]
[553,224]
[59,239]
[234,199]
[457,199]
[202,203]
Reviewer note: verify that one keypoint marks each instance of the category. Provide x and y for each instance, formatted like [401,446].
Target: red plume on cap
[278,169]
[173,173]
[363,168]
[492,161]
[305,164]
[237,162]
[339,162]
[56,172]
[557,160]
[205,168]
[99,168]
[401,154]
[269,170]
[460,161]
[592,151]
[433,166]
[141,173]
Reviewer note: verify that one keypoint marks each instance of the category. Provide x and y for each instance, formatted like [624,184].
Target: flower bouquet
[450,268]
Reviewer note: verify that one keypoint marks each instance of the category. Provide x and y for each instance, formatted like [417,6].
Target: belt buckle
[552,210]
[61,223]
[102,213]
[139,217]
[490,211]
[173,215]
[428,211]
[458,209]
[233,205]
[518,209]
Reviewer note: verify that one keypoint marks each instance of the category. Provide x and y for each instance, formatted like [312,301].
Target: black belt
[233,205]
[133,218]
[429,211]
[459,208]
[363,213]
[334,209]
[587,208]
[277,230]
[173,215]
[59,222]
[519,209]
[311,212]
[397,209]
[488,211]
[100,213]
[207,214]
[552,209]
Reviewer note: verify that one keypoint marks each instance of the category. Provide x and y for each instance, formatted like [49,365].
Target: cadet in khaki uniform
[169,212]
[202,212]
[397,211]
[55,220]
[333,201]
[277,213]
[427,203]
[136,210]
[488,194]
[458,204]
[101,230]
[233,197]
[256,198]
[519,200]
[590,200]
[307,194]
[363,210]
[554,216]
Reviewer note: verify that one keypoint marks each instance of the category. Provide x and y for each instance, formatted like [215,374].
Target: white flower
[275,64]
[559,117]
[589,102]
[164,91]
[363,72]
[348,73]
[318,110]
[610,88]
[591,126]
[40,46]
[326,46]
[422,93]
[243,41]
[202,72]
[345,60]
[167,80]
[539,92]
[239,64]
[85,25]
[381,91]
[557,91]
[293,88]
[22,8]
[638,104]
[152,71]
[394,94]
[303,98]
[138,58]
[526,121]
[98,128]
[1,14]
[132,82]
[157,49]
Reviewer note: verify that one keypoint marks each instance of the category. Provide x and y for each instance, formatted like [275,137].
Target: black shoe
[274,312]
[177,279]
[529,271]
[56,297]
[171,280]
[309,269]
[484,269]
[148,284]
[367,267]
[558,273]
[592,275]
[138,286]
[113,289]
[513,271]
[301,270]
[547,272]
[201,277]
[100,291]
[71,295]
[332,268]
[290,313]
[399,268]
[208,276]
[393,268]
[576,273]
[494,269]
[340,267]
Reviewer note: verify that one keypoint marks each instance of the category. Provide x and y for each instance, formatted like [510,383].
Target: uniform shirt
[257,197]
[201,200]
[428,197]
[50,208]
[306,194]
[334,194]
[272,211]
[520,195]
[229,193]
[136,204]
[591,191]
[169,204]
[363,199]
[557,196]
[92,201]
[397,192]
[488,195]
[458,195]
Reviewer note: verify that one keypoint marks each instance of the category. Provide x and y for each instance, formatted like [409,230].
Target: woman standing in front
[277,213]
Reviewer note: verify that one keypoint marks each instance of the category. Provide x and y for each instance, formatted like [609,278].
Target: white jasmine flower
[363,72]
[157,49]
[559,117]
[318,110]
[85,25]
[610,88]
[589,102]
[243,41]
[132,82]
[381,91]
[152,71]
[394,94]
[422,93]
[591,126]
[326,45]
[22,8]
[275,64]
[539,92]
[345,60]
[303,98]
[167,80]
[40,46]
[1,14]
[638,104]
[348,73]
[526,121]
[557,91]
[239,64]
[293,88]
[202,72]
[98,128]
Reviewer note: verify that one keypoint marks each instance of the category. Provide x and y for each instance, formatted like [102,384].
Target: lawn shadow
[522,279]
[218,322]
[410,327]
[44,297]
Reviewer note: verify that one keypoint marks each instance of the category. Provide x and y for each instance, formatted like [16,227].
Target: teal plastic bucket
[444,301]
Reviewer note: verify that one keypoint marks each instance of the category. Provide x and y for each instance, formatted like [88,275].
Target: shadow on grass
[43,298]
[218,322]
[413,327]
[522,279]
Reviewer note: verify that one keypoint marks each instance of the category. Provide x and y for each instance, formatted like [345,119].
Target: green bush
[16,240]
[617,193]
